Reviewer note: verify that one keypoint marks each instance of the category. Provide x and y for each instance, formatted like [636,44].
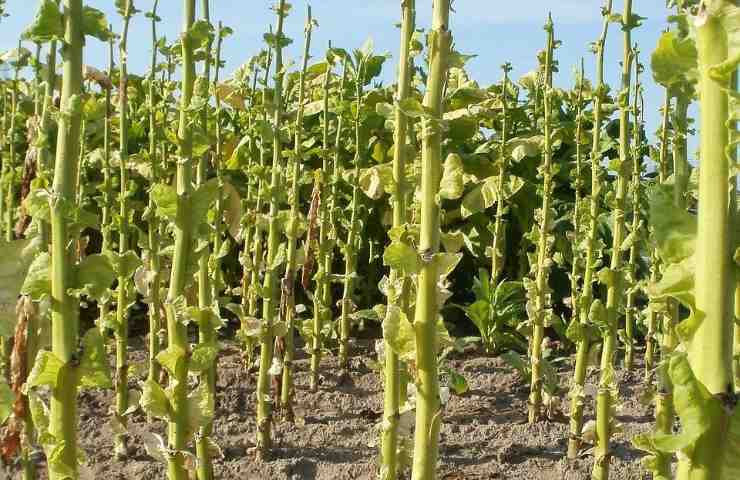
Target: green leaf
[452,184]
[457,383]
[94,276]
[95,24]
[14,265]
[203,197]
[125,264]
[678,282]
[154,400]
[37,284]
[674,229]
[94,368]
[203,357]
[172,359]
[48,24]
[445,263]
[398,332]
[201,407]
[165,198]
[674,60]
[400,256]
[46,370]
[695,406]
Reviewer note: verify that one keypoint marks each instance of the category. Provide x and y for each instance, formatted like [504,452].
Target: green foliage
[496,312]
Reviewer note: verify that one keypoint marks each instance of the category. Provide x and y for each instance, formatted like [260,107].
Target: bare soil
[485,434]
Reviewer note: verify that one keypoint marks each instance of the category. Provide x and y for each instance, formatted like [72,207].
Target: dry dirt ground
[485,434]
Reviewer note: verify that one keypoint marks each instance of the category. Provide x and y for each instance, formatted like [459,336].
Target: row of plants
[294,207]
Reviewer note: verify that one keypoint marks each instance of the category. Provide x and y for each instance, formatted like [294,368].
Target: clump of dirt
[485,434]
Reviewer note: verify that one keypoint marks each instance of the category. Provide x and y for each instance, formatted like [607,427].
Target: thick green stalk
[271,290]
[544,261]
[575,271]
[44,151]
[350,247]
[664,411]
[606,390]
[653,318]
[257,257]
[710,348]
[106,222]
[286,390]
[250,220]
[177,330]
[155,301]
[64,307]
[498,247]
[124,282]
[327,238]
[631,271]
[206,331]
[586,298]
[428,408]
[391,389]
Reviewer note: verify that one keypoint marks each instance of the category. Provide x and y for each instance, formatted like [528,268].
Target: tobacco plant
[589,308]
[428,419]
[538,291]
[288,287]
[270,288]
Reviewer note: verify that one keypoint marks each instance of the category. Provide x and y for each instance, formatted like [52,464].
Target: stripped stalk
[634,246]
[176,329]
[286,390]
[271,289]
[65,307]
[248,223]
[350,246]
[257,257]
[206,330]
[124,281]
[664,411]
[710,348]
[391,389]
[106,221]
[593,250]
[155,223]
[577,261]
[542,307]
[605,397]
[328,233]
[654,318]
[428,408]
[498,247]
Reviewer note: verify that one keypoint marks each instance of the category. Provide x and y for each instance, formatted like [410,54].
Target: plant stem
[606,390]
[498,260]
[710,348]
[286,390]
[155,305]
[391,389]
[124,282]
[64,307]
[350,247]
[586,298]
[177,330]
[271,290]
[542,305]
[428,408]
[631,271]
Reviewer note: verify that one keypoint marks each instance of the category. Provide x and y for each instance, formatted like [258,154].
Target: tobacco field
[299,270]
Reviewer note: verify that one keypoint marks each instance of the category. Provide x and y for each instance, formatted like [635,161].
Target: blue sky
[510,32]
